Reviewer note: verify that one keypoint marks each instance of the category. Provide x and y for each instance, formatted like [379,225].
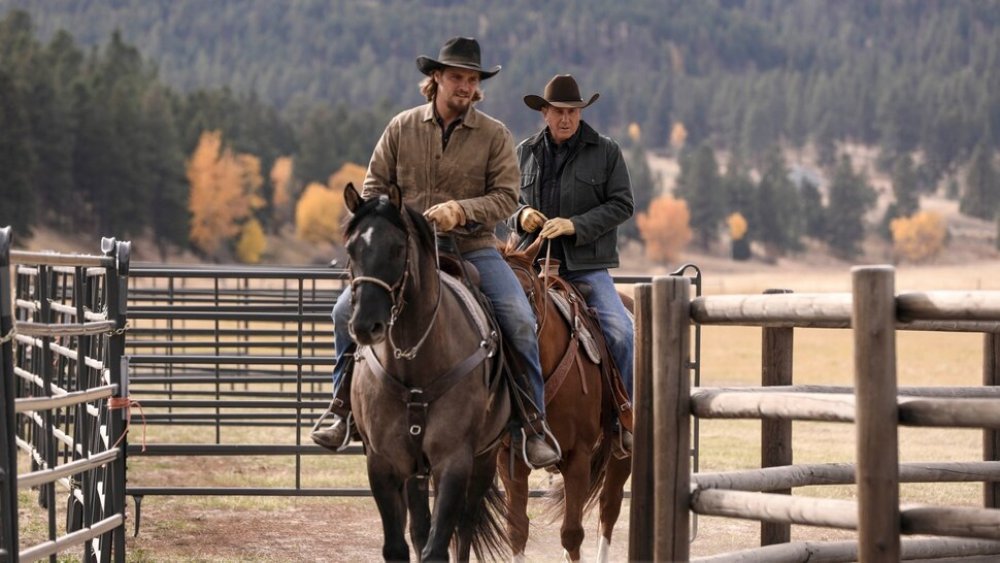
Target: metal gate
[64,399]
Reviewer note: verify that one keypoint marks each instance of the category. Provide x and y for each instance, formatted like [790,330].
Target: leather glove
[557,227]
[446,216]
[531,219]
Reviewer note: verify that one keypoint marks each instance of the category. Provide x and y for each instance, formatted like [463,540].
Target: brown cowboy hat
[560,92]
[461,52]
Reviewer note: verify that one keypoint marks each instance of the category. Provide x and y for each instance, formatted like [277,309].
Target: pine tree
[850,198]
[981,195]
[700,186]
[16,160]
[779,207]
[644,187]
[813,212]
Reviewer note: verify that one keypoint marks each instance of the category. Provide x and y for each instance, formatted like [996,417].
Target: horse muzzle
[367,333]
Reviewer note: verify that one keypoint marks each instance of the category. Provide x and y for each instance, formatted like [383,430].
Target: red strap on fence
[115,403]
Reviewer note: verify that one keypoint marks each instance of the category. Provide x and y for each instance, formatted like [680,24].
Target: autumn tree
[665,228]
[349,173]
[737,234]
[224,192]
[281,191]
[252,243]
[318,214]
[919,237]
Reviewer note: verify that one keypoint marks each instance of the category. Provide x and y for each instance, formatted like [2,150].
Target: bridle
[395,292]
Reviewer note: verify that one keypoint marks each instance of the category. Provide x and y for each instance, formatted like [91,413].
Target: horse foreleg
[387,488]
[420,512]
[576,482]
[612,493]
[451,484]
[516,488]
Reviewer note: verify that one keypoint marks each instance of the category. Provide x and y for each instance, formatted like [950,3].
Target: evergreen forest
[103,104]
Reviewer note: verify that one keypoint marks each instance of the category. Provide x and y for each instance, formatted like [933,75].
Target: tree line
[740,74]
[94,140]
[98,138]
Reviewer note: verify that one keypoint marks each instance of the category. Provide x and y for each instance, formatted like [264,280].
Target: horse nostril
[378,331]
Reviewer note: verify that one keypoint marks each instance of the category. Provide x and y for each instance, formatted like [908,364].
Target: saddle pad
[472,306]
[587,339]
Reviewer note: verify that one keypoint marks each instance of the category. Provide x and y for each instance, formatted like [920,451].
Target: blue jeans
[615,321]
[513,313]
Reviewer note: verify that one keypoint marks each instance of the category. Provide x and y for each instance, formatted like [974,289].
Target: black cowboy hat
[560,92]
[461,52]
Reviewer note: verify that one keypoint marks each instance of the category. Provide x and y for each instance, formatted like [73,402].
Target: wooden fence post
[640,532]
[671,417]
[776,435]
[877,414]
[991,438]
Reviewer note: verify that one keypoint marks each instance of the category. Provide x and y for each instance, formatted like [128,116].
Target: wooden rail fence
[874,312]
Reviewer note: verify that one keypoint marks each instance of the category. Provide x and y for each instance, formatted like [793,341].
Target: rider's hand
[531,219]
[557,227]
[446,216]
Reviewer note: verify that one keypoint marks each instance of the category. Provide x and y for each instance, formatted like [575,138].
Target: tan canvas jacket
[478,169]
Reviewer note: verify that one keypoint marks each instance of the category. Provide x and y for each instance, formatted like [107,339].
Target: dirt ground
[336,529]
[311,529]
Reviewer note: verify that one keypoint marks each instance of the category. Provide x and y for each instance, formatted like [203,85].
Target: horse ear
[396,196]
[534,247]
[351,197]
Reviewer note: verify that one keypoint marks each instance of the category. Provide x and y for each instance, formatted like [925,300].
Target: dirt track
[311,529]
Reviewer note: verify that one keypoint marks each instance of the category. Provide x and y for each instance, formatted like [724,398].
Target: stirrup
[348,420]
[546,434]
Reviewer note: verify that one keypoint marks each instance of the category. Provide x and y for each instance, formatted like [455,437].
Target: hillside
[106,105]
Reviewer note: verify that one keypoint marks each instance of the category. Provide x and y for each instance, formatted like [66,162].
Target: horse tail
[490,541]
[553,504]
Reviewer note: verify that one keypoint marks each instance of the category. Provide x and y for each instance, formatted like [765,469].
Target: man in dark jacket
[575,188]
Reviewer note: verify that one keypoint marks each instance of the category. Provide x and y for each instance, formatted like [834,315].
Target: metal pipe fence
[62,381]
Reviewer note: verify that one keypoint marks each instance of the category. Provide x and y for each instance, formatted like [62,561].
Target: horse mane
[380,206]
[508,249]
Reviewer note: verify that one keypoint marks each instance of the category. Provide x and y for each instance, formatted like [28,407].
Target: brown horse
[580,414]
[423,393]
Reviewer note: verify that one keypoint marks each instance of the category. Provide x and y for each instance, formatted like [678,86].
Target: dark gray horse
[423,393]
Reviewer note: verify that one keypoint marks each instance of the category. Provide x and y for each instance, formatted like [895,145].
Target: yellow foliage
[634,132]
[665,228]
[252,243]
[318,214]
[348,173]
[281,183]
[222,187]
[678,135]
[737,226]
[918,237]
[252,180]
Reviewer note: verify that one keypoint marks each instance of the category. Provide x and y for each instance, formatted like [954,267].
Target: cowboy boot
[337,435]
[538,454]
